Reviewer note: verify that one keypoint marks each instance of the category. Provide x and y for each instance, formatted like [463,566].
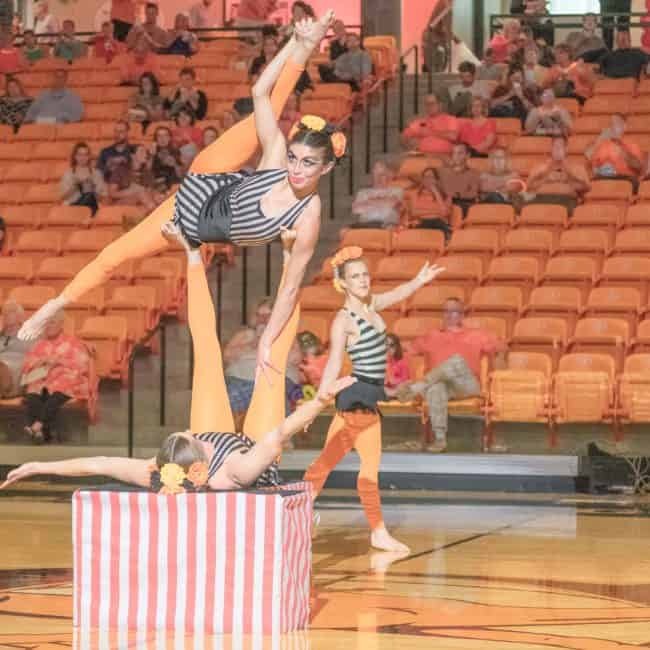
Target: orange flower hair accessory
[339,143]
[197,474]
[344,255]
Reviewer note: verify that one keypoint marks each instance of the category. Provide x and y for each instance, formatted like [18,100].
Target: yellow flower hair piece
[313,122]
[172,477]
[344,255]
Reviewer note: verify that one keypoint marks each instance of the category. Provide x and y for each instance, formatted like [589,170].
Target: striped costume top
[228,443]
[249,225]
[368,354]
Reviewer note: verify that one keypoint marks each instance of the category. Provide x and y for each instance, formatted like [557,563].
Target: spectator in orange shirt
[479,133]
[139,61]
[501,42]
[613,156]
[569,78]
[11,58]
[105,46]
[434,133]
[453,361]
[428,204]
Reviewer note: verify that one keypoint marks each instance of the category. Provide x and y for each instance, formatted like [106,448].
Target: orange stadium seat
[320,300]
[166,275]
[16,151]
[22,217]
[615,302]
[43,193]
[641,342]
[412,327]
[398,268]
[78,132]
[546,217]
[597,215]
[531,145]
[502,302]
[508,127]
[636,216]
[540,334]
[376,242]
[602,335]
[477,242]
[623,86]
[84,242]
[606,105]
[108,337]
[318,325]
[555,302]
[103,112]
[37,244]
[531,242]
[618,192]
[627,272]
[138,306]
[632,242]
[634,389]
[31,297]
[571,105]
[513,270]
[593,124]
[429,301]
[570,271]
[24,172]
[584,242]
[413,166]
[640,106]
[584,389]
[520,393]
[523,165]
[637,124]
[113,216]
[15,271]
[461,269]
[36,133]
[90,304]
[13,193]
[643,87]
[68,217]
[498,218]
[577,144]
[496,326]
[430,243]
[57,272]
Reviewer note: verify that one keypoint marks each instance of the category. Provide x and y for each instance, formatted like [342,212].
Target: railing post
[244,289]
[130,416]
[332,194]
[368,134]
[385,115]
[416,93]
[163,372]
[267,290]
[351,156]
[219,297]
[191,363]
[401,93]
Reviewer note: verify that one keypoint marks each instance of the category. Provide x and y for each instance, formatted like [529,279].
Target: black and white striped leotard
[249,226]
[368,357]
[227,443]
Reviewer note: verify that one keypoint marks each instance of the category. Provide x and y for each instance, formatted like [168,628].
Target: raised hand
[329,392]
[428,272]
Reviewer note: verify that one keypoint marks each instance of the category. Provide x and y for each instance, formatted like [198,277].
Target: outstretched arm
[338,337]
[427,273]
[127,470]
[243,469]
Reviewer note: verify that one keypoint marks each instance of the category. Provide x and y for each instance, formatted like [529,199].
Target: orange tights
[229,153]
[210,406]
[353,430]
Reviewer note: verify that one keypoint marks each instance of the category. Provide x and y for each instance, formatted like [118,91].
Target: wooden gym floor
[486,571]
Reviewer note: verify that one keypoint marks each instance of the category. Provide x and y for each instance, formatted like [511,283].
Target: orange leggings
[229,153]
[210,406]
[353,430]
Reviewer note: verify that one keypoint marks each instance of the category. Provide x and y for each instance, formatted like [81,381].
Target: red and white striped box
[217,562]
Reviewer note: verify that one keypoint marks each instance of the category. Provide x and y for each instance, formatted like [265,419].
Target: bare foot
[33,327]
[381,539]
[171,231]
[311,32]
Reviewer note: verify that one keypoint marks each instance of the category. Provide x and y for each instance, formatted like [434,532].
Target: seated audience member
[428,205]
[181,40]
[534,73]
[140,60]
[625,60]
[527,41]
[68,46]
[12,349]
[269,49]
[146,105]
[11,58]
[587,41]
[549,118]
[397,367]
[502,42]
[458,181]
[187,96]
[513,98]
[33,51]
[453,362]
[123,17]
[166,162]
[462,94]
[149,31]
[142,167]
[205,14]
[314,358]
[118,153]
[58,104]
[612,155]
[210,135]
[105,45]
[353,66]
[378,206]
[56,370]
[17,24]
[14,104]
[568,78]
[187,137]
[489,70]
[290,115]
[45,22]
[122,188]
[82,184]
[480,132]
[339,43]
[556,180]
[499,183]
[434,133]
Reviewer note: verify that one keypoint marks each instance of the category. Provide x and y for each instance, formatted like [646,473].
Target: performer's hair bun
[180,466]
[314,131]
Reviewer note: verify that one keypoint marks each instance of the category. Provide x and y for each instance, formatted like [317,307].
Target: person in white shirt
[380,205]
[45,22]
[206,14]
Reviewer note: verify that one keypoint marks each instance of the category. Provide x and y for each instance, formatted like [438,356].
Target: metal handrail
[416,93]
[139,347]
